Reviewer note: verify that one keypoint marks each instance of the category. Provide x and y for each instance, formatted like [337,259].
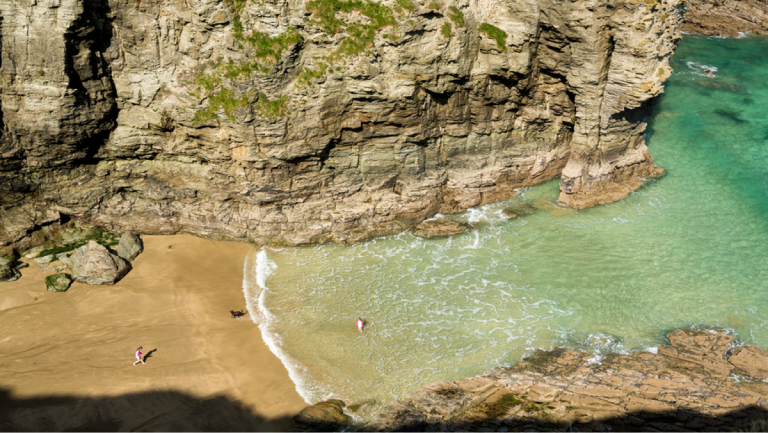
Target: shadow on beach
[146,411]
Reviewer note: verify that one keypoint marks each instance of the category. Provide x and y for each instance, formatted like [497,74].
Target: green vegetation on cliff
[446,30]
[456,16]
[496,33]
[360,36]
[217,81]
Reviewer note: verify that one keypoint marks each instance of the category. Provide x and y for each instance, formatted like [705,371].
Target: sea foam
[256,270]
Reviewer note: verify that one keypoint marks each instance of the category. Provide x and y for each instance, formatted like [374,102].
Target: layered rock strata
[293,122]
[698,382]
[727,18]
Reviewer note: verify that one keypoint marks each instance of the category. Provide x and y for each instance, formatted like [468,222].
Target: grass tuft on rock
[456,16]
[493,32]
[446,30]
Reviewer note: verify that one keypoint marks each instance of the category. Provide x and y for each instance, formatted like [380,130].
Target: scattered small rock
[94,264]
[58,282]
[130,246]
[440,227]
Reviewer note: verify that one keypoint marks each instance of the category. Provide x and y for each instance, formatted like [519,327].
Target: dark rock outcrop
[130,246]
[8,265]
[687,385]
[94,264]
[325,415]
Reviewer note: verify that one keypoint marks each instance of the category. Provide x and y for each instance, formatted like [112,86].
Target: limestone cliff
[294,121]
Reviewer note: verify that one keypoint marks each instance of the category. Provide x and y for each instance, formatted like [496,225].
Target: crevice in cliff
[85,41]
[606,67]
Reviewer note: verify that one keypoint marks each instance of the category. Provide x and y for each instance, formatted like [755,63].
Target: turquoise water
[687,250]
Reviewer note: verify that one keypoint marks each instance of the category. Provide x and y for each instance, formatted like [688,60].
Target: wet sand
[66,358]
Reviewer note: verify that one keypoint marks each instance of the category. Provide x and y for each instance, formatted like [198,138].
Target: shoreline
[72,350]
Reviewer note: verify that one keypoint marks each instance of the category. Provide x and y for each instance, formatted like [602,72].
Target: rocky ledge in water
[697,382]
[727,18]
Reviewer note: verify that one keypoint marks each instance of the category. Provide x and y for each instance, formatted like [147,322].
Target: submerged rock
[440,227]
[519,210]
[58,282]
[94,264]
[130,246]
[324,415]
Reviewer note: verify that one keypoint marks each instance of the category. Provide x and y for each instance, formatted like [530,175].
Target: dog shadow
[149,354]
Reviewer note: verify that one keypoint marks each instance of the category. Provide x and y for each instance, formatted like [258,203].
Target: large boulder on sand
[94,264]
[130,246]
[440,227]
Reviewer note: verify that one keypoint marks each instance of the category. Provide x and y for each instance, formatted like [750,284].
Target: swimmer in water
[360,324]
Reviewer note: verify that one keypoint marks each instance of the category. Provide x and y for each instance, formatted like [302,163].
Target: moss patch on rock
[58,282]
[446,30]
[493,32]
[456,16]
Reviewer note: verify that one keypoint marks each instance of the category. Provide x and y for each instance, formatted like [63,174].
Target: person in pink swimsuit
[360,324]
[139,357]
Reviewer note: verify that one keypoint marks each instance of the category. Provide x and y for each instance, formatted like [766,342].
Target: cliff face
[310,121]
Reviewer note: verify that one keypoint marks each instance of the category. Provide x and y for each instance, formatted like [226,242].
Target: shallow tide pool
[686,250]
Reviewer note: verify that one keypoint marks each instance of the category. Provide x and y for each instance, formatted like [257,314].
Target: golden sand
[66,358]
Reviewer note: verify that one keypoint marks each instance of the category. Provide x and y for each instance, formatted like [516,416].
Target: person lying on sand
[139,357]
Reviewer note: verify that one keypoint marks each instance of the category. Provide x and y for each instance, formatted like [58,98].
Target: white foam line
[261,316]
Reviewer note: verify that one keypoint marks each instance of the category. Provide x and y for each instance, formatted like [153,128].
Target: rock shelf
[697,382]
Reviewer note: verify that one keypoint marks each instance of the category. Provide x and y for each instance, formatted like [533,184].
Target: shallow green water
[687,250]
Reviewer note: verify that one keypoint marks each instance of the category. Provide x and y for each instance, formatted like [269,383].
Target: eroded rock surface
[271,122]
[94,264]
[727,18]
[687,385]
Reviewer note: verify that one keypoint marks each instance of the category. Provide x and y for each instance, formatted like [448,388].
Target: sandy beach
[66,358]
